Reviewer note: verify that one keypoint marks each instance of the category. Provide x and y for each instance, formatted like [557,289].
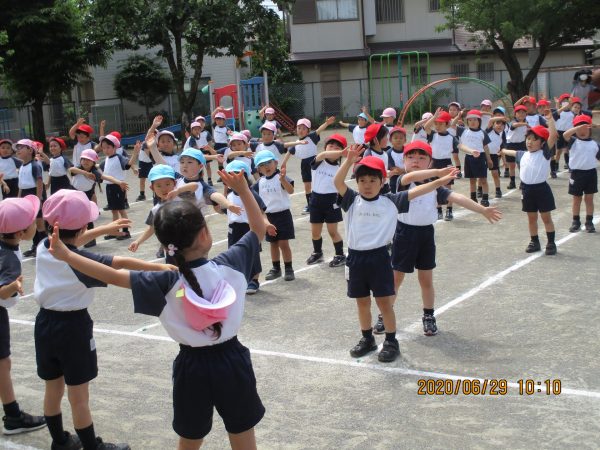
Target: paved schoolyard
[502,314]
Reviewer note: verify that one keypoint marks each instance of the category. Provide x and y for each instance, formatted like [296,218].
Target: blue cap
[237,166]
[193,153]
[262,157]
[161,171]
[363,116]
[501,109]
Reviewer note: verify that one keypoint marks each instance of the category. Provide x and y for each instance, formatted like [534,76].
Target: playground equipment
[386,80]
[442,96]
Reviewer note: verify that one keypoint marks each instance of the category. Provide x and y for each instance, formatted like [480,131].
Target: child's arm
[507,152]
[43,156]
[187,187]
[214,113]
[78,171]
[433,185]
[491,213]
[286,158]
[39,187]
[102,126]
[151,144]
[73,129]
[294,143]
[261,113]
[365,110]
[124,186]
[10,289]
[151,131]
[571,131]
[553,137]
[112,228]
[353,155]
[420,175]
[289,187]
[428,125]
[329,121]
[329,154]
[344,124]
[488,158]
[136,153]
[468,150]
[222,201]
[521,100]
[147,234]
[519,124]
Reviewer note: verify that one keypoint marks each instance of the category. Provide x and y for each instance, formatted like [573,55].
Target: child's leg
[589,204]
[473,188]
[189,444]
[55,389]
[142,186]
[550,233]
[364,313]
[115,214]
[336,238]
[547,219]
[483,182]
[316,229]
[286,251]
[307,191]
[7,393]
[79,398]
[532,218]
[243,441]
[496,177]
[427,290]
[577,205]
[386,307]
[275,253]
[449,205]
[398,279]
[208,170]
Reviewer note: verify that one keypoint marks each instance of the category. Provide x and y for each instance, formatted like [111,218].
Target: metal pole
[238,83]
[266,80]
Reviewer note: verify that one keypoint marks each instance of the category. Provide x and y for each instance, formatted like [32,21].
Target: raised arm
[102,128]
[553,137]
[353,153]
[329,154]
[365,110]
[73,129]
[329,121]
[429,122]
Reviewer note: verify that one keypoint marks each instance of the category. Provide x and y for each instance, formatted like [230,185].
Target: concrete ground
[502,314]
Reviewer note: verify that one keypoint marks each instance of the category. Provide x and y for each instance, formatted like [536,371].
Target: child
[414,239]
[455,111]
[17,223]
[82,132]
[267,133]
[267,114]
[486,113]
[323,201]
[307,152]
[583,183]
[474,141]
[204,139]
[358,131]
[396,155]
[376,137]
[497,135]
[563,117]
[64,343]
[58,165]
[419,133]
[238,151]
[532,117]
[31,183]
[144,165]
[582,89]
[9,168]
[534,170]
[370,222]
[515,140]
[212,369]
[274,188]
[443,145]
[115,166]
[220,131]
[389,116]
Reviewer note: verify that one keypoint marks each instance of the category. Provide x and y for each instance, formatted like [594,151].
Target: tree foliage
[499,25]
[143,81]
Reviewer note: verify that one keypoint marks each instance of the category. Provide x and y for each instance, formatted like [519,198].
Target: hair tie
[171,249]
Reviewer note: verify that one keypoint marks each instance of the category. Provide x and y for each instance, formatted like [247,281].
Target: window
[485,71]
[434,5]
[460,70]
[331,10]
[418,75]
[389,11]
[331,99]
[304,11]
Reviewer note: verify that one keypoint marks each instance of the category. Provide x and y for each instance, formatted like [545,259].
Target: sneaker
[550,248]
[440,215]
[479,192]
[30,253]
[459,175]
[534,246]
[109,236]
[72,443]
[575,226]
[305,210]
[252,287]
[273,274]
[498,193]
[511,185]
[364,346]
[506,173]
[100,445]
[314,258]
[553,174]
[520,186]
[106,208]
[390,351]
[160,253]
[485,203]
[566,167]
[589,227]
[90,244]
[210,182]
[449,216]
[338,261]
[289,275]
[22,424]
[141,198]
[127,235]
[126,204]
[429,325]
[379,327]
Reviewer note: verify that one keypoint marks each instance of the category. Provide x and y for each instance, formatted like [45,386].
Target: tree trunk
[37,119]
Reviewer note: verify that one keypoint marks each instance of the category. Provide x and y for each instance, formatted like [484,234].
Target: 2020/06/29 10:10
[500,387]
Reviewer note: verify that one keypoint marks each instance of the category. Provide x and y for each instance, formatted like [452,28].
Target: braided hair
[178,224]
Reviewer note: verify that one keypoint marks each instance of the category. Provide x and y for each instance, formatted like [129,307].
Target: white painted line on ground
[5,444]
[332,361]
[493,279]
[147,327]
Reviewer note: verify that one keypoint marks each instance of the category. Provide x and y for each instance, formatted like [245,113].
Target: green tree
[498,25]
[142,80]
[184,31]
[47,50]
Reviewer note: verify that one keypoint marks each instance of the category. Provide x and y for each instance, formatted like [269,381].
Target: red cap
[520,108]
[564,97]
[418,145]
[531,100]
[582,118]
[337,138]
[443,117]
[398,129]
[575,100]
[116,134]
[373,162]
[543,102]
[474,114]
[39,145]
[540,131]
[372,131]
[86,129]
[60,142]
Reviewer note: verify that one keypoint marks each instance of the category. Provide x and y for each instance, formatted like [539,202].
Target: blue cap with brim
[363,116]
[193,153]
[238,166]
[161,171]
[501,109]
[262,157]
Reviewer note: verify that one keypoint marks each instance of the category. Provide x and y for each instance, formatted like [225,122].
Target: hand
[271,230]
[90,175]
[133,246]
[302,142]
[354,152]
[249,154]
[437,112]
[364,109]
[103,124]
[5,188]
[492,214]
[171,267]
[114,228]
[237,210]
[158,120]
[235,181]
[451,175]
[490,163]
[57,248]
[341,123]
[136,172]
[475,153]
[209,149]
[395,171]
[137,147]
[18,285]
[221,159]
[229,133]
[80,121]
[124,186]
[282,172]
[445,171]
[330,120]
[173,194]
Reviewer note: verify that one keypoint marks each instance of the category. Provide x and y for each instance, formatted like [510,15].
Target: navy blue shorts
[583,182]
[305,169]
[235,232]
[115,197]
[476,167]
[58,183]
[4,333]
[370,271]
[413,248]
[65,346]
[220,148]
[495,162]
[324,208]
[218,376]
[442,164]
[285,226]
[537,198]
[144,169]
[32,191]
[561,144]
[13,186]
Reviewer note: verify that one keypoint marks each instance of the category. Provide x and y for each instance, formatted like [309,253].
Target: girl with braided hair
[201,307]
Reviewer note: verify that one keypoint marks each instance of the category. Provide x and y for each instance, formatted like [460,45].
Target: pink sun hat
[269,126]
[112,139]
[389,112]
[304,122]
[90,154]
[239,137]
[17,214]
[200,313]
[269,111]
[71,209]
[220,115]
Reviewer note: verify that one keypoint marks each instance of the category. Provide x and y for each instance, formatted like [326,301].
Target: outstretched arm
[329,121]
[433,185]
[491,213]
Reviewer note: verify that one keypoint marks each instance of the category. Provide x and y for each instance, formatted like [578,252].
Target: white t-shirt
[583,154]
[272,193]
[534,166]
